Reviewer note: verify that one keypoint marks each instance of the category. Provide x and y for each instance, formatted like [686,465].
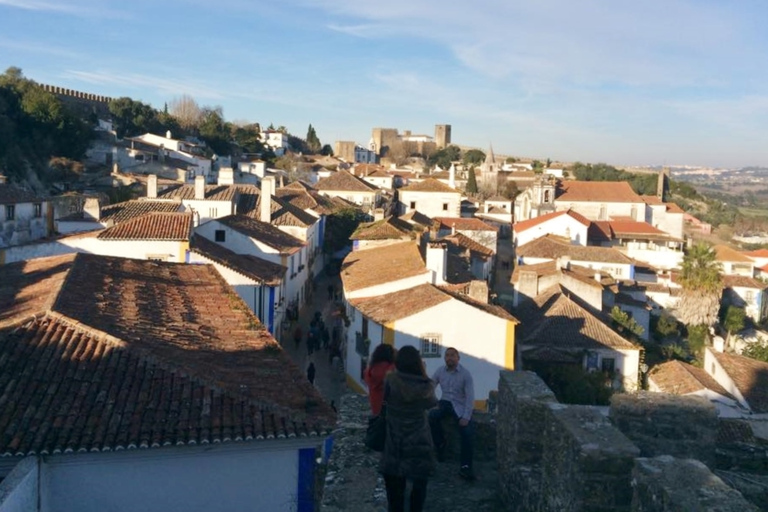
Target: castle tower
[442,135]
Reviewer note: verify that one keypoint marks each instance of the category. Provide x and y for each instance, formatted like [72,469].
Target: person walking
[311,373]
[456,401]
[382,362]
[408,450]
[297,334]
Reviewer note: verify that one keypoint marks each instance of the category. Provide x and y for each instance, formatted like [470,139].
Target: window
[413,205]
[212,213]
[633,213]
[546,196]
[157,257]
[608,364]
[221,235]
[38,210]
[749,296]
[445,207]
[430,345]
[10,212]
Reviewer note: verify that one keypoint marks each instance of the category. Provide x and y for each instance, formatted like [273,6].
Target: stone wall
[557,457]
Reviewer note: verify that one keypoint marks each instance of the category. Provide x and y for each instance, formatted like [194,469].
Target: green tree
[247,137]
[214,130]
[702,286]
[133,117]
[339,227]
[757,351]
[666,326]
[734,318]
[445,157]
[326,150]
[313,142]
[510,160]
[473,157]
[471,182]
[626,324]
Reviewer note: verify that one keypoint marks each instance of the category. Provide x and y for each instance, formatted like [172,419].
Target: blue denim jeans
[444,408]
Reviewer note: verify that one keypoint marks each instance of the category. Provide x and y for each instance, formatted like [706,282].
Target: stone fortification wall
[557,457]
[81,102]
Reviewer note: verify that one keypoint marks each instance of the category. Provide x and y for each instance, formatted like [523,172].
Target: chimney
[152,186]
[563,262]
[260,167]
[452,176]
[598,277]
[92,208]
[718,343]
[437,261]
[226,176]
[267,190]
[168,134]
[199,187]
[378,214]
[478,290]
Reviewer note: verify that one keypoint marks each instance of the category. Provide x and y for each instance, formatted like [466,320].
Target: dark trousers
[396,493]
[436,415]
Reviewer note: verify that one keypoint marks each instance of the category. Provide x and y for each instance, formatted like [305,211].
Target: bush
[665,326]
[697,340]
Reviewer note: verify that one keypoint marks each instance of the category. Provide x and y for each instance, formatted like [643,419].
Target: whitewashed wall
[257,476]
[389,287]
[431,203]
[591,210]
[564,226]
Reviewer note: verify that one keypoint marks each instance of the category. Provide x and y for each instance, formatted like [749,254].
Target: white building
[639,241]
[184,401]
[567,224]
[432,319]
[206,202]
[351,188]
[748,293]
[744,378]
[24,216]
[734,262]
[275,140]
[430,197]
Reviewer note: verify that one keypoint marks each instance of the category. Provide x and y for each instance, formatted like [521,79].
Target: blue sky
[623,82]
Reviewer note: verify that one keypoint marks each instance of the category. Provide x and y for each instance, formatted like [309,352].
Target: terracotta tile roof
[429,185]
[212,192]
[673,208]
[13,194]
[552,248]
[363,170]
[416,217]
[760,253]
[283,213]
[750,377]
[127,210]
[587,276]
[379,174]
[29,287]
[363,269]
[555,320]
[344,181]
[597,191]
[400,304]
[250,266]
[152,226]
[463,241]
[681,378]
[464,224]
[730,281]
[263,232]
[633,227]
[652,200]
[546,268]
[525,225]
[599,231]
[488,308]
[390,228]
[725,253]
[141,354]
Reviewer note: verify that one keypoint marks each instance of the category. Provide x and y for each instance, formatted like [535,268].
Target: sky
[657,82]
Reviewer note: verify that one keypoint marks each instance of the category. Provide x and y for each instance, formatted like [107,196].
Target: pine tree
[472,182]
[313,142]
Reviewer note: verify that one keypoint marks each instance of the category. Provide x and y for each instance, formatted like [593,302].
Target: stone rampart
[557,457]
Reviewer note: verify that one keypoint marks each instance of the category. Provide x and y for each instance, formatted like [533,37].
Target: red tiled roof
[725,253]
[681,378]
[599,231]
[622,228]
[555,320]
[283,213]
[263,232]
[525,225]
[464,224]
[401,304]
[344,181]
[429,185]
[250,266]
[212,192]
[597,191]
[750,377]
[731,281]
[760,253]
[127,210]
[488,308]
[673,208]
[551,247]
[134,354]
[390,228]
[152,226]
[371,267]
[654,200]
[465,242]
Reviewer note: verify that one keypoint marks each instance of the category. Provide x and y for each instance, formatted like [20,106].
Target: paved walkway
[329,381]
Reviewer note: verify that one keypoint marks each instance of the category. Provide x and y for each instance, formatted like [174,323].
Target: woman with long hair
[382,362]
[408,451]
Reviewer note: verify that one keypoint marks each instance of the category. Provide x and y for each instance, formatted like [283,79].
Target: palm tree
[702,287]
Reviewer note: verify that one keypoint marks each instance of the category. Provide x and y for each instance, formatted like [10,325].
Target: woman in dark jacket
[408,451]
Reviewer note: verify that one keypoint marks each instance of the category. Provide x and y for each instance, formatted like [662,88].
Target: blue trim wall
[306,481]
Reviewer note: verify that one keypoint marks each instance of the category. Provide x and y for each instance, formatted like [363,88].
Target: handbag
[376,433]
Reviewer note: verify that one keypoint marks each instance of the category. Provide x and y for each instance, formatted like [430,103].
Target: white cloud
[86,9]
[173,88]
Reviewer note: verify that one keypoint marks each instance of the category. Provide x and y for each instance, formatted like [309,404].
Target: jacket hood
[411,388]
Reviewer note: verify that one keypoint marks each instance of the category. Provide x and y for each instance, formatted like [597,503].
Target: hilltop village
[145,338]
